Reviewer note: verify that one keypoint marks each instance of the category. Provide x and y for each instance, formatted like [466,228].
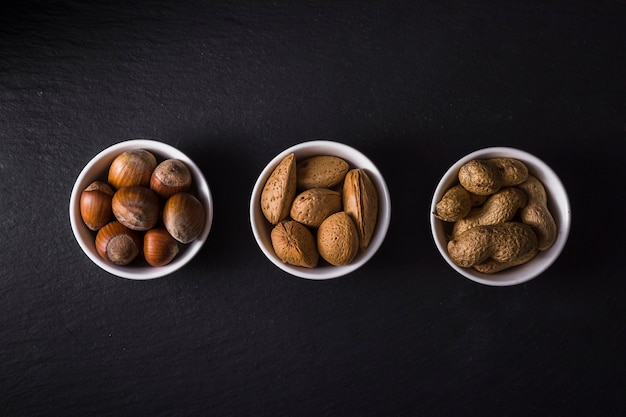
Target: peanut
[536,213]
[507,244]
[456,203]
[491,266]
[499,208]
[487,176]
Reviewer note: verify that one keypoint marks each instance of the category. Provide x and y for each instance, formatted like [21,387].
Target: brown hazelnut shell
[132,167]
[95,205]
[170,177]
[136,207]
[159,247]
[118,244]
[184,217]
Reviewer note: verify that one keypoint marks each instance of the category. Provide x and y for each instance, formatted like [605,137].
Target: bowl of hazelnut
[141,209]
[500,216]
[320,210]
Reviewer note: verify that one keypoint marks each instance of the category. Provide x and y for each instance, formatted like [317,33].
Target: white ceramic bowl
[97,169]
[261,228]
[558,204]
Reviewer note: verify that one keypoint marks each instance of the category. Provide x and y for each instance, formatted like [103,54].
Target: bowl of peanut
[141,209]
[500,216]
[320,210]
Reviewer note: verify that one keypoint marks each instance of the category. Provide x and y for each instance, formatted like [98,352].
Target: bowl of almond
[320,210]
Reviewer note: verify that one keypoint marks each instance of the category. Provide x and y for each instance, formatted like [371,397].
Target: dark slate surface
[232,84]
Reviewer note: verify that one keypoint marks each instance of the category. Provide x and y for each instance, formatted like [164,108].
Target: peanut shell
[506,243]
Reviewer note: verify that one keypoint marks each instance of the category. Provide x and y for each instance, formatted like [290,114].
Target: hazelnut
[170,177]
[159,247]
[117,244]
[132,167]
[136,207]
[95,205]
[183,217]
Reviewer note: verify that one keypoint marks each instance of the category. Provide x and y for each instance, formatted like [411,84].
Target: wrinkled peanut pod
[491,266]
[499,208]
[454,205]
[505,243]
[536,213]
[487,176]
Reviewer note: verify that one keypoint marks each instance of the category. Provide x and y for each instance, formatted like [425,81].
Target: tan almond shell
[337,239]
[322,171]
[311,207]
[279,190]
[360,202]
[294,244]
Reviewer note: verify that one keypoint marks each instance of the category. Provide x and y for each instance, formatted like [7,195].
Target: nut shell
[360,202]
[313,206]
[279,190]
[118,244]
[294,244]
[454,205]
[504,242]
[136,207]
[131,168]
[500,207]
[159,247]
[171,176]
[184,217]
[95,205]
[322,171]
[536,213]
[487,176]
[337,239]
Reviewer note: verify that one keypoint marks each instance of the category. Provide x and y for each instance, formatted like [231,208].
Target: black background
[415,87]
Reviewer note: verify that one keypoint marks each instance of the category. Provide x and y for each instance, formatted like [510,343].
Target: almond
[322,171]
[337,239]
[360,202]
[294,244]
[312,206]
[279,190]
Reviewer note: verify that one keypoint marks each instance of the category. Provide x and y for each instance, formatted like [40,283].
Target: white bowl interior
[261,228]
[558,203]
[97,169]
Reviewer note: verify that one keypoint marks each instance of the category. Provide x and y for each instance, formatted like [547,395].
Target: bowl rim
[548,257]
[309,147]
[80,230]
